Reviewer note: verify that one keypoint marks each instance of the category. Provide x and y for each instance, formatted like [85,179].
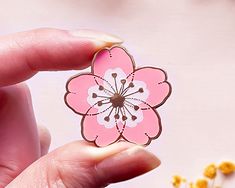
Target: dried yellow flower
[210,171]
[177,181]
[202,183]
[192,185]
[227,167]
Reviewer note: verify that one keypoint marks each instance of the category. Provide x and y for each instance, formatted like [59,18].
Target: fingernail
[102,153]
[45,139]
[131,162]
[100,38]
[151,161]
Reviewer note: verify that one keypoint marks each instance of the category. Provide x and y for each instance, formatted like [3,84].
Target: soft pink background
[193,40]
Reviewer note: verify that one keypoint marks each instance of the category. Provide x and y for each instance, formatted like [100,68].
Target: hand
[24,161]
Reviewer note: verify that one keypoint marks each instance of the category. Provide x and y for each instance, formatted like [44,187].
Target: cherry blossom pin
[118,101]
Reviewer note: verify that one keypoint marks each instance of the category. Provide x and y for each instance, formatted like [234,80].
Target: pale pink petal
[77,92]
[150,128]
[94,132]
[155,79]
[115,57]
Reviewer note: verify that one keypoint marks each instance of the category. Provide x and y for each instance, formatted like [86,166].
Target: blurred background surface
[193,40]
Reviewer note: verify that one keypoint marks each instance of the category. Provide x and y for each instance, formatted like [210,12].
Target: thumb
[80,164]
[24,54]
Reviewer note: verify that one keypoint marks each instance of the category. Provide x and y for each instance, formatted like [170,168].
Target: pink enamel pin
[118,101]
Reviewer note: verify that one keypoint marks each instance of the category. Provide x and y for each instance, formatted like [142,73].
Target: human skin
[24,161]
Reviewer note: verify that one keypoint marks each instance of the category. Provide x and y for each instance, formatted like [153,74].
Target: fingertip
[150,160]
[44,139]
[127,164]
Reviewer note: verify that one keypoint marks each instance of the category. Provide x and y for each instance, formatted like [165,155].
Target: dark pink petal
[115,57]
[150,128]
[155,79]
[77,92]
[94,132]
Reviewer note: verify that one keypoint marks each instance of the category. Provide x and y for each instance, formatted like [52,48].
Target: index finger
[24,54]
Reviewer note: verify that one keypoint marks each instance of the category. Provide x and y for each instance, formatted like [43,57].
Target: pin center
[117,100]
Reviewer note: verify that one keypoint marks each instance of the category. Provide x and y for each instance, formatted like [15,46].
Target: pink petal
[94,132]
[77,92]
[155,79]
[115,57]
[147,130]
